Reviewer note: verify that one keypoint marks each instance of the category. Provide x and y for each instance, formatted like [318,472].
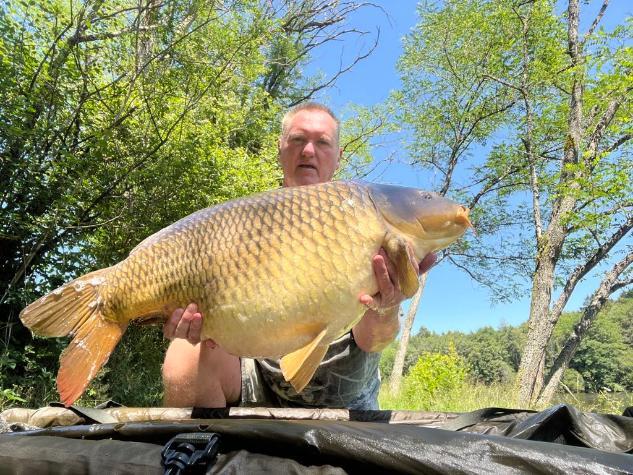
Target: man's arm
[380,324]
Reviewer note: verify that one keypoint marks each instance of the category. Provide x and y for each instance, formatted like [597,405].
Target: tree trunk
[395,379]
[608,285]
[549,245]
[540,326]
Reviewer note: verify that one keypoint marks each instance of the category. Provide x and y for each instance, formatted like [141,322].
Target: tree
[609,284]
[395,378]
[548,108]
[117,118]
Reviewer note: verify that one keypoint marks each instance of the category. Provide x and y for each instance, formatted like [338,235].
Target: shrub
[573,380]
[434,375]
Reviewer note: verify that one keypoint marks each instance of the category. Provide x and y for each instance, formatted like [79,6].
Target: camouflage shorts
[348,377]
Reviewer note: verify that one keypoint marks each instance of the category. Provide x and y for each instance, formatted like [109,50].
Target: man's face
[309,151]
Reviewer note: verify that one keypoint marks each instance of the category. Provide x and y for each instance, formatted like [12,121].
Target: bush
[387,358]
[573,380]
[27,374]
[131,377]
[434,375]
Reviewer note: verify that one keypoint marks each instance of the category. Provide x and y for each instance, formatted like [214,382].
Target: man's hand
[389,295]
[380,324]
[186,323]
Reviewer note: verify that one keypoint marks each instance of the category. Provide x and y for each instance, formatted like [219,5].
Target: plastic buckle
[190,452]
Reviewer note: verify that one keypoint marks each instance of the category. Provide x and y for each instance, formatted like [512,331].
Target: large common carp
[277,274]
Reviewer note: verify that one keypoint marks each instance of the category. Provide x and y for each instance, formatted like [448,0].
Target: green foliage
[433,375]
[573,380]
[387,357]
[140,388]
[473,396]
[488,355]
[27,375]
[468,73]
[604,359]
[491,355]
[470,396]
[115,121]
[509,113]
[601,366]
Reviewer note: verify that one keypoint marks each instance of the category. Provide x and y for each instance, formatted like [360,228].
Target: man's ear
[279,150]
[340,158]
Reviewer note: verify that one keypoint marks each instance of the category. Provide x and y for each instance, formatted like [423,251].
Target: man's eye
[323,142]
[297,140]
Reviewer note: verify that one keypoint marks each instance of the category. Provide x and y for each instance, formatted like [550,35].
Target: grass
[465,398]
[472,396]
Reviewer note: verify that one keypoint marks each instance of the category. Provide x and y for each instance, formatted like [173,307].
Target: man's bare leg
[199,375]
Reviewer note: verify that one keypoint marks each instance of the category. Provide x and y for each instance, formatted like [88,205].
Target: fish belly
[269,272]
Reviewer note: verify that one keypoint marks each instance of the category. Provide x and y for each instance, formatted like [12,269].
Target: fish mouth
[462,218]
[442,227]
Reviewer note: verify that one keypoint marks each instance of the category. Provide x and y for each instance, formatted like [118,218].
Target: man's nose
[308,149]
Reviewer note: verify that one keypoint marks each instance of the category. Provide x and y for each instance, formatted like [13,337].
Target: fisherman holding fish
[203,374]
[310,274]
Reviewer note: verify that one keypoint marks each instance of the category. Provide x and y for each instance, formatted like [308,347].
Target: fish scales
[300,239]
[278,274]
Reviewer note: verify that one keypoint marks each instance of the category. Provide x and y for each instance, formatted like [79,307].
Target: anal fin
[299,366]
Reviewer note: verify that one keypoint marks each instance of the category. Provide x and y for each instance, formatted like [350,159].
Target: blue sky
[451,301]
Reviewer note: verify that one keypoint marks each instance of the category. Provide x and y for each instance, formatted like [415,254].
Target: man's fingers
[367,300]
[169,328]
[428,262]
[372,303]
[191,309]
[390,269]
[182,329]
[386,287]
[194,328]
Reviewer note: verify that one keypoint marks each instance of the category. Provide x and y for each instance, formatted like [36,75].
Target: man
[202,374]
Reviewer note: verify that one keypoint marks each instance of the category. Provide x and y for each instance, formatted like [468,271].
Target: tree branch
[596,20]
[584,268]
[609,284]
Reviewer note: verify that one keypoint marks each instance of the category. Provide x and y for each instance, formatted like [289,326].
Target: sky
[451,300]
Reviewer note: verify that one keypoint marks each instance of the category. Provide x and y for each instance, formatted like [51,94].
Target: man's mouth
[305,165]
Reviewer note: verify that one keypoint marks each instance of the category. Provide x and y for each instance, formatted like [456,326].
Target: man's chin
[306,179]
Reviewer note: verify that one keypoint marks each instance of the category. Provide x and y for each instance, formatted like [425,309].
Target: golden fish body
[267,271]
[275,274]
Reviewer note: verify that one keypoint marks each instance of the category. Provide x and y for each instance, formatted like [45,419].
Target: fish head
[429,220]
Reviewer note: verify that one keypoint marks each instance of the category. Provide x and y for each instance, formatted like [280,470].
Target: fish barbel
[276,274]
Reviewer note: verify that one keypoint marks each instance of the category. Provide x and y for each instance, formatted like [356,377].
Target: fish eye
[427,196]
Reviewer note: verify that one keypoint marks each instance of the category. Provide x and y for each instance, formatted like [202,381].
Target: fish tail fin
[76,309]
[66,308]
[89,350]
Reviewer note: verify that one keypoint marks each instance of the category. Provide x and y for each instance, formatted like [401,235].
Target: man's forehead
[312,119]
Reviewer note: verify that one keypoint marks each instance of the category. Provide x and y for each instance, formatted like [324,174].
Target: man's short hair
[308,106]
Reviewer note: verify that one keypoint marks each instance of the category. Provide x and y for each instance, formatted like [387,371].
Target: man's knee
[181,361]
[200,375]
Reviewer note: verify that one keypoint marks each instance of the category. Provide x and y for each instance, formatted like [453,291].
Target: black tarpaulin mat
[559,424]
[351,446]
[58,455]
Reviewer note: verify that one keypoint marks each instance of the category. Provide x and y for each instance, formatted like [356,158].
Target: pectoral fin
[299,366]
[396,249]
